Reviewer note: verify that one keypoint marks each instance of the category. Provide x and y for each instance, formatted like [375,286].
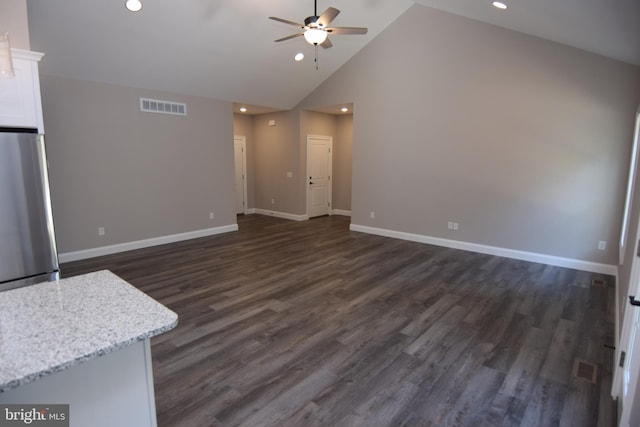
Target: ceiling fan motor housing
[311,21]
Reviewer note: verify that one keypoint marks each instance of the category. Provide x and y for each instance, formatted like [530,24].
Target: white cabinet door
[20,104]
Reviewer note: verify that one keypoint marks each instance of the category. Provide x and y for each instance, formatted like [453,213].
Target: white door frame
[243,140]
[329,139]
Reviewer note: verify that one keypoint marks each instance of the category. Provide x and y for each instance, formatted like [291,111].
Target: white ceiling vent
[164,107]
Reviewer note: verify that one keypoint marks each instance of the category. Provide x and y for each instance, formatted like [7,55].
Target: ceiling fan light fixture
[315,36]
[133,5]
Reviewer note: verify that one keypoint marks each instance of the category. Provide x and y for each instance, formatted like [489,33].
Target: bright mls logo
[34,415]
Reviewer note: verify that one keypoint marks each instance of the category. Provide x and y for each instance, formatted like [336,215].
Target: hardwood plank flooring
[288,323]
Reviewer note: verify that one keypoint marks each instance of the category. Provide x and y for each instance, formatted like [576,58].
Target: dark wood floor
[308,324]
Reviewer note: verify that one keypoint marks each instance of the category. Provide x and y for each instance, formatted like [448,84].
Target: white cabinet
[113,390]
[20,103]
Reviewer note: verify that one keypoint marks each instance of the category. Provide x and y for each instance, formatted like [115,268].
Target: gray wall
[139,175]
[522,141]
[342,158]
[277,152]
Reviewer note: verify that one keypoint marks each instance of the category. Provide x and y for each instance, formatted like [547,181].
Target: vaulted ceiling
[224,49]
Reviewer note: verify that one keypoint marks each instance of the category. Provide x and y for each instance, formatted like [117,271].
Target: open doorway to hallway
[276,177]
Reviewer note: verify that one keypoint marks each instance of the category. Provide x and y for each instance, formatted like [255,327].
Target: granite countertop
[49,327]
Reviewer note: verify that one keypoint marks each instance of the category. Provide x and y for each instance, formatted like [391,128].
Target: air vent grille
[163,107]
[599,283]
[585,370]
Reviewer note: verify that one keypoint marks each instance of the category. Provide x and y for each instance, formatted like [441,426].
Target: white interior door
[319,175]
[630,415]
[629,353]
[626,377]
[240,158]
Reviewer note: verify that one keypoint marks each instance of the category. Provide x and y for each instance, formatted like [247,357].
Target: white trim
[139,244]
[340,212]
[250,211]
[29,55]
[492,250]
[631,183]
[282,215]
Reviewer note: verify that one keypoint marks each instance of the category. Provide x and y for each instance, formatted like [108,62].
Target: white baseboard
[340,212]
[139,244]
[283,215]
[577,264]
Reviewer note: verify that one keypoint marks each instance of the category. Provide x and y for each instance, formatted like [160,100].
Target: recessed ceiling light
[499,5]
[344,109]
[243,109]
[133,5]
[299,56]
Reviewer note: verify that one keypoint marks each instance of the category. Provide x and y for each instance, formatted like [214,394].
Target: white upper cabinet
[20,103]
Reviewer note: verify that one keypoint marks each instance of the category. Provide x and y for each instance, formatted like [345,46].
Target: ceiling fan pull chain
[316,59]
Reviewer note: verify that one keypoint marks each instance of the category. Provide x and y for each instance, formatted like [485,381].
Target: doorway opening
[240,173]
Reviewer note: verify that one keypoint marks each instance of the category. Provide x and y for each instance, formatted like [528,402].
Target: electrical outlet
[289,174]
[372,214]
[456,225]
[602,245]
[273,201]
[453,225]
[212,215]
[100,231]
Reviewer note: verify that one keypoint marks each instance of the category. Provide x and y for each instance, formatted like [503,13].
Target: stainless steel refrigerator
[28,252]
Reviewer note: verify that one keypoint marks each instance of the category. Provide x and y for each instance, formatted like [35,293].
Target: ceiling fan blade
[292,36]
[326,44]
[327,16]
[286,21]
[347,30]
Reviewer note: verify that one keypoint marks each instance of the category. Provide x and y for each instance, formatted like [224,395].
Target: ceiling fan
[316,28]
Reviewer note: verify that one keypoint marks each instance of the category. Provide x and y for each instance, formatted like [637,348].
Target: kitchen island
[82,341]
